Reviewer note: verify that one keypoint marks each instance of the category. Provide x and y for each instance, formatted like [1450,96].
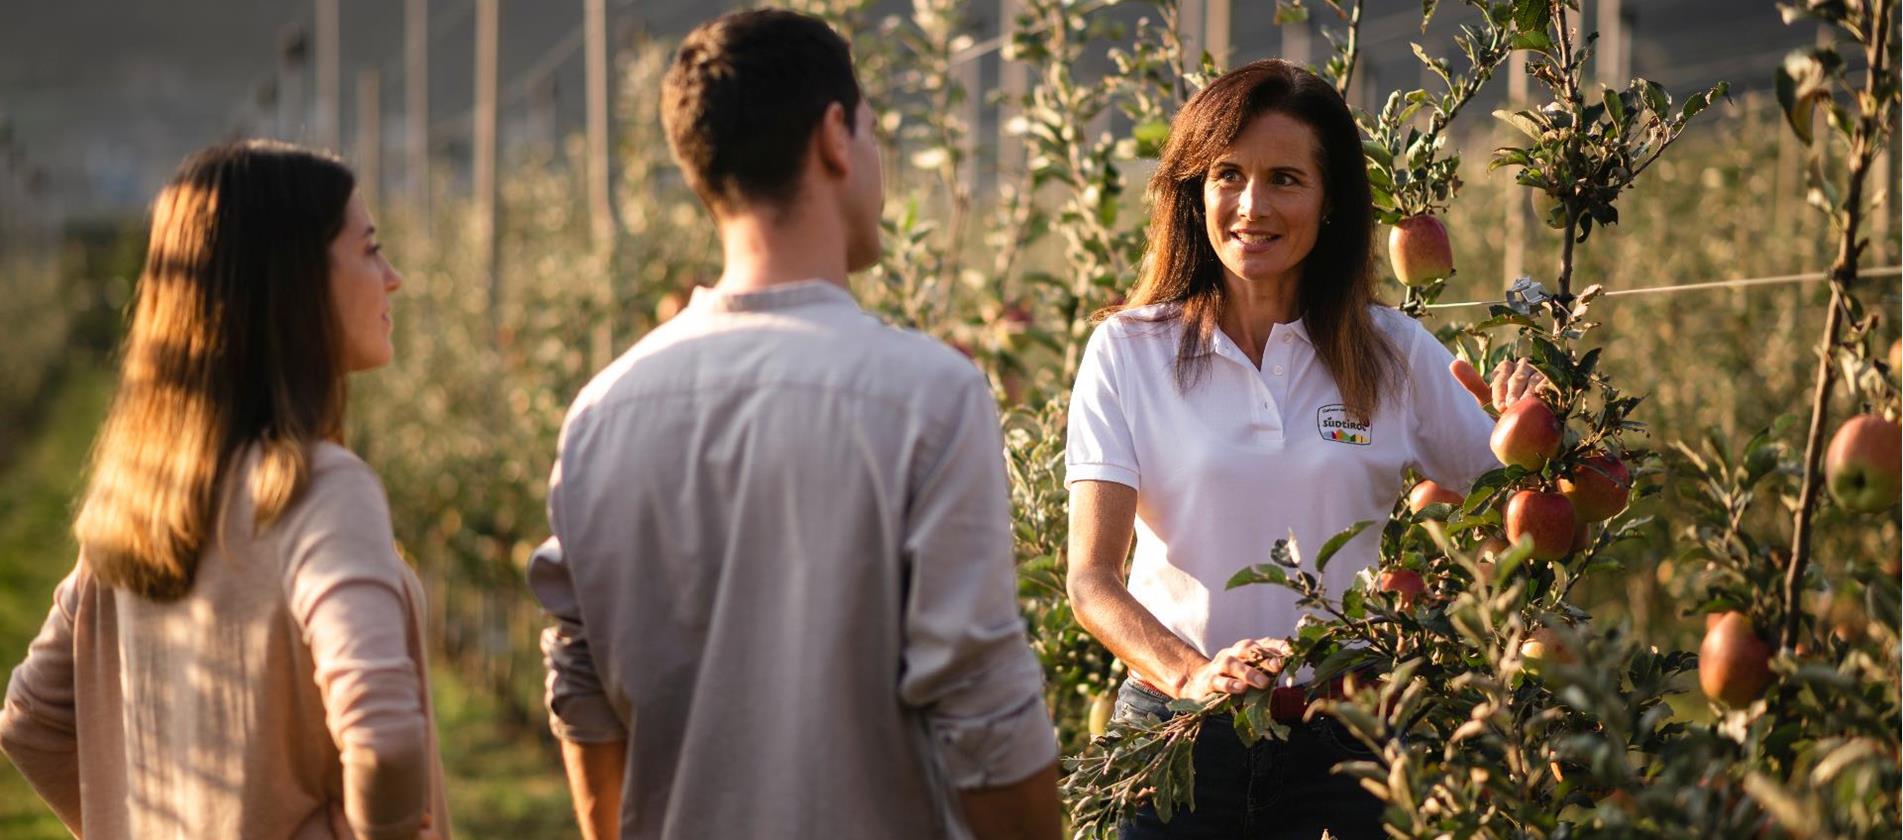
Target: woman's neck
[1252,308]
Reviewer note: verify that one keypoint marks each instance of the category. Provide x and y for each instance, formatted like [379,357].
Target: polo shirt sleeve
[577,701]
[1099,446]
[1448,430]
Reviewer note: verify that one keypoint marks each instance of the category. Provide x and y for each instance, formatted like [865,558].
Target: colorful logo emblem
[1334,424]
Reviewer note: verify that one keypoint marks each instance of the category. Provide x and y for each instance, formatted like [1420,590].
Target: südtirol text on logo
[1335,425]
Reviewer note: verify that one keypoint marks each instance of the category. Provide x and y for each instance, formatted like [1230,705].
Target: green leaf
[1534,40]
[1427,12]
[1335,543]
[1532,15]
[1260,573]
[1615,108]
[1506,562]
[1803,81]
[1525,121]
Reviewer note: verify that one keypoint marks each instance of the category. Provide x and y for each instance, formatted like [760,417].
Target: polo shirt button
[1278,370]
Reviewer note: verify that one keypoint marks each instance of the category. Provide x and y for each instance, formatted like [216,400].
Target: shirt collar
[1293,329]
[779,296]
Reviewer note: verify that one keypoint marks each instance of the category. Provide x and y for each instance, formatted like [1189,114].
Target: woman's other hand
[1250,663]
[1511,381]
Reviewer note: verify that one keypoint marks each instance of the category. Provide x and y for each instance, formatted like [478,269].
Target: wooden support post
[484,163]
[1296,43]
[1014,81]
[601,216]
[1216,31]
[416,106]
[600,178]
[1189,28]
[293,61]
[329,102]
[370,135]
[1613,59]
[1513,246]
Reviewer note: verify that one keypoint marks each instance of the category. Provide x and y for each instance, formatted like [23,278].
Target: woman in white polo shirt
[1252,387]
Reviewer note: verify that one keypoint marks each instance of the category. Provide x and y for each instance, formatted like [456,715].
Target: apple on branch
[1543,517]
[1864,465]
[1527,434]
[1734,665]
[1598,486]
[1406,584]
[1429,493]
[1420,251]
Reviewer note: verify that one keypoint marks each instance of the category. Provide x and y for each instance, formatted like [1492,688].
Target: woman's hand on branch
[1511,381]
[1250,663]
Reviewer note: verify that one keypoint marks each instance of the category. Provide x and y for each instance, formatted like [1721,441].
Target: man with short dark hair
[781,574]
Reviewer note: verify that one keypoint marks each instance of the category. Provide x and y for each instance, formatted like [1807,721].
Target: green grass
[36,550]
[504,780]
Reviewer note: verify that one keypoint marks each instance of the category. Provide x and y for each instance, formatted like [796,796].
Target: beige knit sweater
[285,697]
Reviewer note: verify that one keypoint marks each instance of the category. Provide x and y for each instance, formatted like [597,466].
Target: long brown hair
[1337,285]
[233,343]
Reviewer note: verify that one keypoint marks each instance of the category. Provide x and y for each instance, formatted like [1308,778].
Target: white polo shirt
[1248,455]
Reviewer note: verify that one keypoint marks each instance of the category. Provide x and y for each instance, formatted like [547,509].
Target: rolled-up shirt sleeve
[578,708]
[1448,430]
[1099,446]
[968,666]
[39,725]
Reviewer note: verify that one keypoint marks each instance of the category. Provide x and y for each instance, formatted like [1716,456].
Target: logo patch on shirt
[1334,424]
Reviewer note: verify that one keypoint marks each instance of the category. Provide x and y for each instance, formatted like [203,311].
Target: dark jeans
[1275,790]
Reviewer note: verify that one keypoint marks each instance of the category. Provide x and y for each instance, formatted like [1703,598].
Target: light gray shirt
[781,569]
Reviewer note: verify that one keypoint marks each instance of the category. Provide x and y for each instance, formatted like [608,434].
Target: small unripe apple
[1598,486]
[1428,493]
[1527,434]
[1419,249]
[1864,465]
[1100,710]
[1734,665]
[1406,584]
[1547,210]
[1846,616]
[1544,518]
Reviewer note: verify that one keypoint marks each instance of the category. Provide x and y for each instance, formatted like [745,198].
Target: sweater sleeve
[38,726]
[345,585]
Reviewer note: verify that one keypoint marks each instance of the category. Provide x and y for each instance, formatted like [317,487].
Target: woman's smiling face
[1263,200]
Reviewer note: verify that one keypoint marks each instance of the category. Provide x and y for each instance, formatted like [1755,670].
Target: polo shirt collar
[1227,348]
[777,297]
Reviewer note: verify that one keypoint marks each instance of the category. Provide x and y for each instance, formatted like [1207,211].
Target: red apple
[1527,434]
[1419,249]
[1864,465]
[1405,583]
[1428,493]
[1598,486]
[1734,665]
[1545,518]
[1582,534]
[1543,646]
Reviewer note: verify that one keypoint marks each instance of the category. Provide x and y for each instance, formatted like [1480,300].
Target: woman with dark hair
[238,650]
[1252,388]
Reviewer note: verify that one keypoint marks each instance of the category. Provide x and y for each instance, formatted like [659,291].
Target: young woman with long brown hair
[238,650]
[1251,388]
